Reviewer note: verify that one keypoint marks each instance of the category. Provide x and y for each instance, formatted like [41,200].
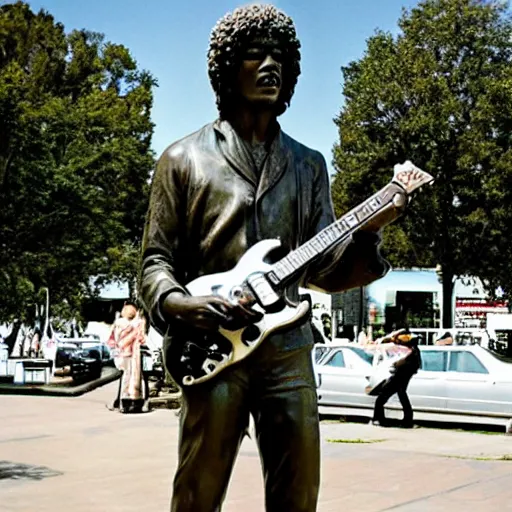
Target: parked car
[83,360]
[454,380]
[91,345]
[65,352]
[85,366]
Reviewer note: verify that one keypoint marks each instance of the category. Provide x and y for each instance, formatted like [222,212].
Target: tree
[439,94]
[75,160]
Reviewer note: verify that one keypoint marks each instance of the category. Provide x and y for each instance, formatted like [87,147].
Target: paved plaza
[72,454]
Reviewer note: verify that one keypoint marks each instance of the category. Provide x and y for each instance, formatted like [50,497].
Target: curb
[107,375]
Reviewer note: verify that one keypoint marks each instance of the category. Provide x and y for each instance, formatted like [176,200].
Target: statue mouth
[269,80]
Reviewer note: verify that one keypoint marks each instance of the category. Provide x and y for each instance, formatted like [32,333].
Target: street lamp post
[49,344]
[439,273]
[46,310]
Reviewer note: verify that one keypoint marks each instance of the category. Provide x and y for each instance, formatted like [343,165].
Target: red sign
[480,304]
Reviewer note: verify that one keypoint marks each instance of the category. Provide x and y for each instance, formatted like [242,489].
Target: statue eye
[255,54]
[277,54]
[261,52]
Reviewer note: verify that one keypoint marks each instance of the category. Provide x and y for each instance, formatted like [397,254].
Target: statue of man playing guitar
[215,194]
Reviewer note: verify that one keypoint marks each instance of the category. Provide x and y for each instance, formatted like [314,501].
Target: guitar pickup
[263,292]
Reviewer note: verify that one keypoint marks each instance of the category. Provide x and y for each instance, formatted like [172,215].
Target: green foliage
[75,160]
[438,94]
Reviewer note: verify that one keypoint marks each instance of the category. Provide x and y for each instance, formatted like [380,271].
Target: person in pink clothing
[126,338]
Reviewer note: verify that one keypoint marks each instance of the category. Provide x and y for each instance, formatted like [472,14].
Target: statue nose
[269,63]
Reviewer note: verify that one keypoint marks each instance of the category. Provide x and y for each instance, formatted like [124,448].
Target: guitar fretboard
[332,235]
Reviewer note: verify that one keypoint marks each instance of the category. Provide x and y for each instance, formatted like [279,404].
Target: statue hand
[207,312]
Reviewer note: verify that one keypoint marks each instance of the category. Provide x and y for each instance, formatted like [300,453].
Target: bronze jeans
[278,389]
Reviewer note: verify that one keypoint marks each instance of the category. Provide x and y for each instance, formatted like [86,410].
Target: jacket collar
[237,154]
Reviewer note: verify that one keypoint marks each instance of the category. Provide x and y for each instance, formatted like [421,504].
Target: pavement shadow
[16,471]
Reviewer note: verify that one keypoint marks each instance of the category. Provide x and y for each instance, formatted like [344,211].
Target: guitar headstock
[410,177]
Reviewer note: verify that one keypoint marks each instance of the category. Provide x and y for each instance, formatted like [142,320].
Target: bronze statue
[215,194]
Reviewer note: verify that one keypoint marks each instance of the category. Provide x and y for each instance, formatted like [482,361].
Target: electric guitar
[194,356]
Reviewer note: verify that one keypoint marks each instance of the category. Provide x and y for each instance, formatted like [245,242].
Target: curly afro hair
[228,38]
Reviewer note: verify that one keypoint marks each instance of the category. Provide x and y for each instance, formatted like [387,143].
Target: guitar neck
[377,211]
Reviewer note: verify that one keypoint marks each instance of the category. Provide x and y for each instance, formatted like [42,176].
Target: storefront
[411,297]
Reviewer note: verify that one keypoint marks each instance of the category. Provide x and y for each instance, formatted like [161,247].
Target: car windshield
[319,353]
[363,354]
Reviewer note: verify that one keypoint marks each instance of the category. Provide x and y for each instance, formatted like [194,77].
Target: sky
[170,38]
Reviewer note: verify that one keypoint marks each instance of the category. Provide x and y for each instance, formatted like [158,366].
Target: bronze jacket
[208,206]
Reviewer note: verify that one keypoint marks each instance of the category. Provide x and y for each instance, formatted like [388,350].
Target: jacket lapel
[275,164]
[235,152]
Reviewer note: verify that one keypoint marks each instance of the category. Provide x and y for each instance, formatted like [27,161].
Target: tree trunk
[448,286]
[132,288]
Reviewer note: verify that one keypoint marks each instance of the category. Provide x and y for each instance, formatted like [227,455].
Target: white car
[456,383]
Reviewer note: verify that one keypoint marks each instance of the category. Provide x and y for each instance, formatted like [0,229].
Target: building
[412,297]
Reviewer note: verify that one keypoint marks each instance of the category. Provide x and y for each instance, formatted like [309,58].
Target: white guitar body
[194,356]
[226,284]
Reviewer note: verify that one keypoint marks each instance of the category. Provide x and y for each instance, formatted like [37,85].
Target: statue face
[260,75]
